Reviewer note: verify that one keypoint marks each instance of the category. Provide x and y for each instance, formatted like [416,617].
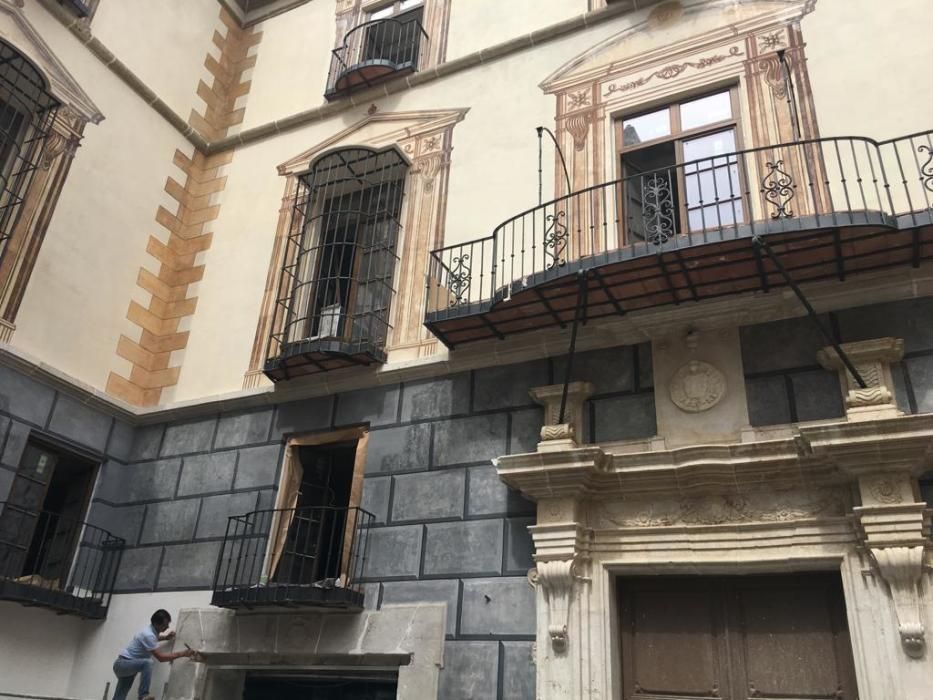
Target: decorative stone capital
[565,434]
[557,579]
[872,359]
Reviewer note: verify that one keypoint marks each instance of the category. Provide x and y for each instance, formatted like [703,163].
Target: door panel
[675,641]
[735,638]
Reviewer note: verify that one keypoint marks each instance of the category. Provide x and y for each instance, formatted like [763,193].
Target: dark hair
[160,617]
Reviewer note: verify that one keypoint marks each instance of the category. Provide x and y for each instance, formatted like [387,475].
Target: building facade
[468,348]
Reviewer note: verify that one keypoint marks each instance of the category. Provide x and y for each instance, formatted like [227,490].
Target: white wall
[75,305]
[37,650]
[869,65]
[164,43]
[100,644]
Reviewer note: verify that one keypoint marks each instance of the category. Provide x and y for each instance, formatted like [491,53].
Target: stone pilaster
[872,360]
[557,434]
[893,529]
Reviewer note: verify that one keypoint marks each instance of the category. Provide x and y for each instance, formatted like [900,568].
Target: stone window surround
[424,140]
[64,137]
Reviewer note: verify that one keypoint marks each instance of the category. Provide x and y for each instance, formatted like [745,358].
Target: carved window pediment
[17,30]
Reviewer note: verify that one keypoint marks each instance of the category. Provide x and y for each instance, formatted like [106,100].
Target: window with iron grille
[337,281]
[27,111]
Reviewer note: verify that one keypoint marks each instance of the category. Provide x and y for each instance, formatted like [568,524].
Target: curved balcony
[824,208]
[51,561]
[310,556]
[375,51]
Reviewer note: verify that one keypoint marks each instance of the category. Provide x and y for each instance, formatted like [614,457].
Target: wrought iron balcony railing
[374,51]
[310,556]
[829,207]
[56,562]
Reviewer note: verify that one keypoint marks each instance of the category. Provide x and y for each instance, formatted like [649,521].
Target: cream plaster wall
[869,62]
[75,305]
[37,650]
[478,24]
[176,36]
[494,176]
[292,61]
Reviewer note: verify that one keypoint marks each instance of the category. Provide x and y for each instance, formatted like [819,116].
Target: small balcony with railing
[52,561]
[296,557]
[747,221]
[376,51]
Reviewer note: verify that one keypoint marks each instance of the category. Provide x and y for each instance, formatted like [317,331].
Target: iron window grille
[336,285]
[27,112]
[387,45]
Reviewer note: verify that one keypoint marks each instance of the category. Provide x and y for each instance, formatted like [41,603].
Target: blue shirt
[142,645]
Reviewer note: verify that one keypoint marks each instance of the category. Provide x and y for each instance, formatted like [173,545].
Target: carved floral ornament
[697,387]
[672,70]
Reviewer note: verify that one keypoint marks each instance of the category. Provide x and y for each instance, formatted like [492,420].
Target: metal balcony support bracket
[763,246]
[579,314]
[560,153]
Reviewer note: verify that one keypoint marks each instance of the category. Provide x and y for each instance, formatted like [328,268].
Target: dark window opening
[313,547]
[926,489]
[395,40]
[49,555]
[359,685]
[337,280]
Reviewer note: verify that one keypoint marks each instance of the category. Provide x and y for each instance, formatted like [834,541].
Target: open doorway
[272,685]
[42,519]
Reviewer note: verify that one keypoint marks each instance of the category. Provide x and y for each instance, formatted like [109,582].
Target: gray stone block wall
[785,383]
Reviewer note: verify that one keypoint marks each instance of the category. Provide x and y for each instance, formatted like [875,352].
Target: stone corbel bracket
[557,580]
[901,568]
[893,531]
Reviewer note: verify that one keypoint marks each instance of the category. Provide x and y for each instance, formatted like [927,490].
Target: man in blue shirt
[137,657]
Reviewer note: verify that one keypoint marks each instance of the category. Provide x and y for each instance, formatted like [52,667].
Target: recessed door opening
[318,685]
[735,637]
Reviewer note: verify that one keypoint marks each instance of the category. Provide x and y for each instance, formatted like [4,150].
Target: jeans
[126,670]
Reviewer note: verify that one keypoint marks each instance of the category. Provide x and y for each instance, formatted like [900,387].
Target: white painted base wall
[43,653]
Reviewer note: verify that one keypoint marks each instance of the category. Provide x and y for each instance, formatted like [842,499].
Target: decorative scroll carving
[926,170]
[697,387]
[571,427]
[579,126]
[555,239]
[885,490]
[720,510]
[673,70]
[778,188]
[872,360]
[556,579]
[901,568]
[460,278]
[657,208]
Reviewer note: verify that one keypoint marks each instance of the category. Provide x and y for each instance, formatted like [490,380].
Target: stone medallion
[697,386]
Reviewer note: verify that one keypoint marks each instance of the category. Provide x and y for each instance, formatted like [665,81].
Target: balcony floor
[691,267]
[314,356]
[288,596]
[60,601]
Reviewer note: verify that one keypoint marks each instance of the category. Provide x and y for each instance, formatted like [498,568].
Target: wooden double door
[735,638]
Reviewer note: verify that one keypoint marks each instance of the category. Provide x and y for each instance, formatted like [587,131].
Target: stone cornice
[555,31]
[814,456]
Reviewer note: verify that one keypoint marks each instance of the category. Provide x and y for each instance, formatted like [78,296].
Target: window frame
[677,137]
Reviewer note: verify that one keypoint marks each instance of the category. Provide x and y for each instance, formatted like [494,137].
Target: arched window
[336,284]
[27,111]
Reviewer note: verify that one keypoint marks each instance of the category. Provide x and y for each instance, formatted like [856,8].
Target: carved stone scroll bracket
[894,533]
[872,359]
[566,434]
[557,580]
[901,568]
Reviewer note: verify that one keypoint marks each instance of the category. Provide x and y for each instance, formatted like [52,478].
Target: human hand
[167,636]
